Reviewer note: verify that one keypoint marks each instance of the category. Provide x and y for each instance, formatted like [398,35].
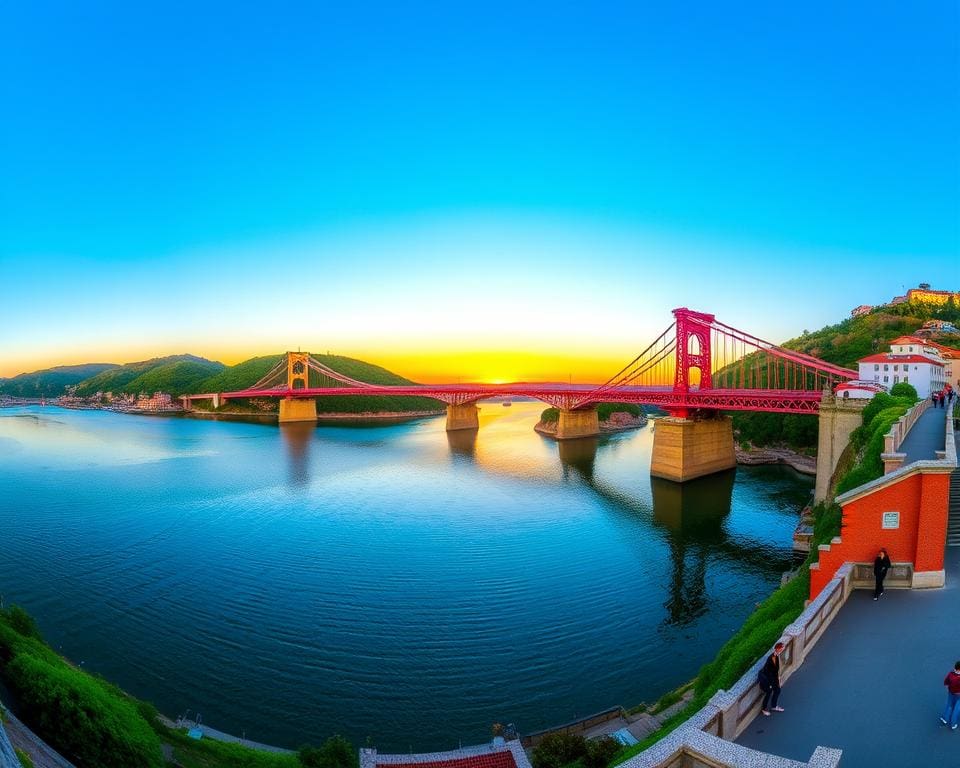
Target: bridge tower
[685,448]
[298,377]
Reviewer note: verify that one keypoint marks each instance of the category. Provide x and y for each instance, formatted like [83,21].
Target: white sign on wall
[891,520]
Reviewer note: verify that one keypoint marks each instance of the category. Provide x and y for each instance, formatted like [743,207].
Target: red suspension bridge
[697,363]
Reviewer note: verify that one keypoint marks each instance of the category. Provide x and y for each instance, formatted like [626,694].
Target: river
[392,583]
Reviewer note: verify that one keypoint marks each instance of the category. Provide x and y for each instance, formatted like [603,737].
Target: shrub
[550,415]
[905,389]
[601,751]
[24,758]
[605,410]
[22,622]
[336,752]
[559,749]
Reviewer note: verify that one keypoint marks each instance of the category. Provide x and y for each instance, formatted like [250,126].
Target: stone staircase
[953,522]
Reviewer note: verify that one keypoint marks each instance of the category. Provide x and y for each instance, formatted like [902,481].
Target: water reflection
[297,437]
[463,441]
[579,456]
[693,514]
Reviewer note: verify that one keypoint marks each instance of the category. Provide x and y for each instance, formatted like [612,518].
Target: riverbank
[618,422]
[806,465]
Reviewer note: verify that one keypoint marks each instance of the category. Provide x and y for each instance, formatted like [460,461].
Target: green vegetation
[867,439]
[176,375]
[903,389]
[758,633]
[762,429]
[96,725]
[81,716]
[566,749]
[207,753]
[23,757]
[336,752]
[51,382]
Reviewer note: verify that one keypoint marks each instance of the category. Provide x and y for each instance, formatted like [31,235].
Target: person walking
[769,680]
[881,564]
[951,713]
[933,398]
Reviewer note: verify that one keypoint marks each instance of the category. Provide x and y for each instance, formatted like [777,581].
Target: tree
[336,752]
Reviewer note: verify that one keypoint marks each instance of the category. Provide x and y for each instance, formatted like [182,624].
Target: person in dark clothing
[951,714]
[769,680]
[933,398]
[881,564]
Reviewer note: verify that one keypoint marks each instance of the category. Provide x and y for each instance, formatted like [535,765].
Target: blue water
[392,582]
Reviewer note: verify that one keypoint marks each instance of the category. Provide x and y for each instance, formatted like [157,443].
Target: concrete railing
[706,739]
[891,456]
[575,726]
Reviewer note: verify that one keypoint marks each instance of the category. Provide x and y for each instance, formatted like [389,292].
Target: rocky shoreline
[806,465]
[618,422]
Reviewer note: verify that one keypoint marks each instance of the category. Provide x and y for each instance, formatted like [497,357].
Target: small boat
[507,403]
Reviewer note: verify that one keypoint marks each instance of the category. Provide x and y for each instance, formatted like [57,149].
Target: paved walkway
[926,437]
[873,686]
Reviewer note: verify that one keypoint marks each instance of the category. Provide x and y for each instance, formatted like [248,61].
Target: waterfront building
[863,309]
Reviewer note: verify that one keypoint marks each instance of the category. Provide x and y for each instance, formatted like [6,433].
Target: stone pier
[838,418]
[463,416]
[298,409]
[574,424]
[687,448]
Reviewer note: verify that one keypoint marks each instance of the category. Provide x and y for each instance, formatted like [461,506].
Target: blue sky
[404,182]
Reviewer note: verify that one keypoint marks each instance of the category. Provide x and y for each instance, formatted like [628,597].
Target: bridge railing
[708,735]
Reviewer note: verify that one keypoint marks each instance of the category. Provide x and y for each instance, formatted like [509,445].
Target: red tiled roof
[889,357]
[495,760]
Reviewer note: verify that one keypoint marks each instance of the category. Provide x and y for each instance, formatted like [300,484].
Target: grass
[23,757]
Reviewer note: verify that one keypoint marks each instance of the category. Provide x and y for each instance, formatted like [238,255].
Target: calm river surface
[390,582]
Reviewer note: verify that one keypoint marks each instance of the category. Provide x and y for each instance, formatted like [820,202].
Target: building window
[896,368]
[886,367]
[876,367]
[911,349]
[896,379]
[906,379]
[886,379]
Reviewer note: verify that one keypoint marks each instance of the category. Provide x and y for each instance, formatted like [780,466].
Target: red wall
[922,501]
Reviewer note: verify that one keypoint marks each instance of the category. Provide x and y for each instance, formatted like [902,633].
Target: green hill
[856,337]
[51,382]
[176,375]
[247,373]
[843,343]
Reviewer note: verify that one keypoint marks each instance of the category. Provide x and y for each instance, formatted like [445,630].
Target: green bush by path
[23,757]
[207,753]
[904,389]
[604,411]
[336,752]
[75,714]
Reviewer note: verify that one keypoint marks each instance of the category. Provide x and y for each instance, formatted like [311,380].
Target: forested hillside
[51,382]
[176,375]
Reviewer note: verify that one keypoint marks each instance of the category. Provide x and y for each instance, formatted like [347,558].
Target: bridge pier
[217,400]
[687,448]
[463,416]
[574,424]
[838,418]
[298,409]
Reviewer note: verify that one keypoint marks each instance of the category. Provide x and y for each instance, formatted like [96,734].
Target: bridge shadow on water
[297,437]
[691,517]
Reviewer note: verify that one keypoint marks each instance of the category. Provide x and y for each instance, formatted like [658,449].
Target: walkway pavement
[926,437]
[873,686]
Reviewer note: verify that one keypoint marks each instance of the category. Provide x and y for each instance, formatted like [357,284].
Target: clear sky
[476,191]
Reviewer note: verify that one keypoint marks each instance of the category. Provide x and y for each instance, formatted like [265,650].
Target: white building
[913,363]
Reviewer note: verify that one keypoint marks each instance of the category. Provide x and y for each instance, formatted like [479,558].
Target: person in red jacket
[951,713]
